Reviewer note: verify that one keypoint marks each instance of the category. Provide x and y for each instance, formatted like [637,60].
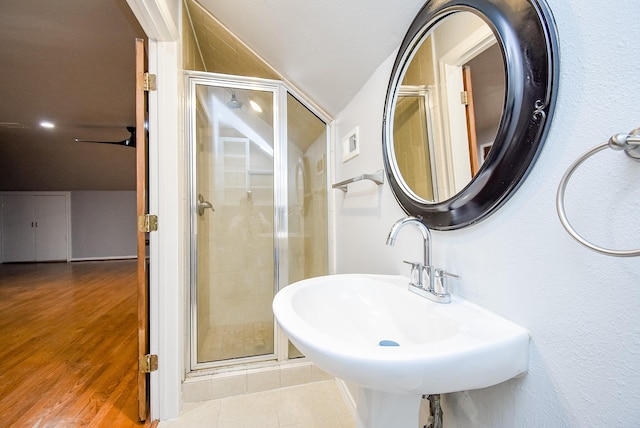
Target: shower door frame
[280,90]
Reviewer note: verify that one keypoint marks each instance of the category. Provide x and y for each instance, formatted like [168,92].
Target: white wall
[582,308]
[103,224]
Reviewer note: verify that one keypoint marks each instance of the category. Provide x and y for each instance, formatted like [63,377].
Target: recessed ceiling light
[255,106]
[47,124]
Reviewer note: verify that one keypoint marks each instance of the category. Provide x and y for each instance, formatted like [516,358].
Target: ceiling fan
[129,142]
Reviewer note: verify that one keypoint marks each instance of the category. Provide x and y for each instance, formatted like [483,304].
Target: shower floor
[237,341]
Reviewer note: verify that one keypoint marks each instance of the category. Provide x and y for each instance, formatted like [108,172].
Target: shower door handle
[203,205]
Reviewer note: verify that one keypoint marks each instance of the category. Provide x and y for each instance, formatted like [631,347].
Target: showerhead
[233,102]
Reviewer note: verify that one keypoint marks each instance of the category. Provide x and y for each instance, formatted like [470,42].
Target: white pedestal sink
[345,324]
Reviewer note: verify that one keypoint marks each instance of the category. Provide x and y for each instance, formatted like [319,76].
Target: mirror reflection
[448,106]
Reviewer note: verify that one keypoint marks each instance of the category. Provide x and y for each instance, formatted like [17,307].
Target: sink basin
[372,331]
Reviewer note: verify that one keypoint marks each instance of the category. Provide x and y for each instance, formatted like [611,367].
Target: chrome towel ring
[630,144]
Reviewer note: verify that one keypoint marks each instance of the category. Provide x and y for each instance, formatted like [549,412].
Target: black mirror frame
[526,33]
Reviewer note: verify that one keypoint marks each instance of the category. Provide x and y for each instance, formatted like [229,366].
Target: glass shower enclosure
[258,198]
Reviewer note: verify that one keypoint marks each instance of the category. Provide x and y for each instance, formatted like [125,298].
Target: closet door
[51,227]
[18,228]
[34,227]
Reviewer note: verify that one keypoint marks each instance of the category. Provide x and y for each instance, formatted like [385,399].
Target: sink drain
[388,343]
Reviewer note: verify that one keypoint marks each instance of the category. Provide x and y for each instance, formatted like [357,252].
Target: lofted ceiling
[326,48]
[71,62]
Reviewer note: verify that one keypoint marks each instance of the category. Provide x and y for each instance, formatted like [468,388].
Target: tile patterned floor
[312,405]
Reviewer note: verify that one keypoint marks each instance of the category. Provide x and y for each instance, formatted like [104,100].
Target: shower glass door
[233,131]
[259,217]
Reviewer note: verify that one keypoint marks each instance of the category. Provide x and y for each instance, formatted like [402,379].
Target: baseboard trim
[97,259]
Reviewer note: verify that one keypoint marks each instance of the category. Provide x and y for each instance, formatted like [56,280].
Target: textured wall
[581,307]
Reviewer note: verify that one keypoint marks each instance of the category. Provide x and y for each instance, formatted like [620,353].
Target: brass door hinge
[149,82]
[148,223]
[148,363]
[464,98]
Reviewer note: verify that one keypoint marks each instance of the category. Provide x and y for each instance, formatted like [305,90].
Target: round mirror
[469,101]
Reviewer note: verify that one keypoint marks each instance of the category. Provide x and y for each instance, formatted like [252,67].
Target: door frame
[454,112]
[159,19]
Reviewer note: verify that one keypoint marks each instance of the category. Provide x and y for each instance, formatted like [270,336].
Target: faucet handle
[442,272]
[413,264]
[417,270]
[440,284]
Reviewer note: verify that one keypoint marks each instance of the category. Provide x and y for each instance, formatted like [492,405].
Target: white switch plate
[351,145]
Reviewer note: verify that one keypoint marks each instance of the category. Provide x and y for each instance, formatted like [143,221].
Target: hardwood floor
[68,345]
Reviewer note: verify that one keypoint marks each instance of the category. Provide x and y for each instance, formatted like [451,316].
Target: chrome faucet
[437,288]
[426,240]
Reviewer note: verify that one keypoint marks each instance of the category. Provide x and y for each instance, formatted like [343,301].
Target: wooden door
[142,210]
[471,121]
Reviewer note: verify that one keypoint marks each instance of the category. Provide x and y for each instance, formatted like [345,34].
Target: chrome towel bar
[630,144]
[377,177]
